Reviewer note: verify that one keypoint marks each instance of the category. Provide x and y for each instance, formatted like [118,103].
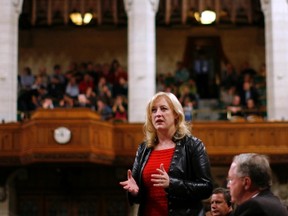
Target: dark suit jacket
[264,204]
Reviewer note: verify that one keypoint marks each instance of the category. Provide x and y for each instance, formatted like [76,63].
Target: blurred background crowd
[103,87]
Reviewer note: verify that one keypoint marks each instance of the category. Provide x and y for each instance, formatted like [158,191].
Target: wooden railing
[96,141]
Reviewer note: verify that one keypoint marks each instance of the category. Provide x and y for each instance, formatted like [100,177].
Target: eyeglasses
[231,180]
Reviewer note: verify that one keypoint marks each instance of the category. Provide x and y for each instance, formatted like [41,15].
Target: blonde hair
[182,127]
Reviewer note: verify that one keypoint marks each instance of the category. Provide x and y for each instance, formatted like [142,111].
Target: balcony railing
[96,141]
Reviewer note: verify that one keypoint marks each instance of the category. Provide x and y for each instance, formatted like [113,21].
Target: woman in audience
[120,109]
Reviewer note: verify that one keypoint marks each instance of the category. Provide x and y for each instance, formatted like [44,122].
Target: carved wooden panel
[112,12]
[9,138]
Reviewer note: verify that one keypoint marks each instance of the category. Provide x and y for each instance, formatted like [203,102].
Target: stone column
[141,55]
[276,34]
[4,201]
[9,10]
[8,204]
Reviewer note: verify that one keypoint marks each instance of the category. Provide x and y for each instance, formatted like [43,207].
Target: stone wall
[48,46]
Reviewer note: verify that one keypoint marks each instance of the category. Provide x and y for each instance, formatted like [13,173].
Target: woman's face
[163,117]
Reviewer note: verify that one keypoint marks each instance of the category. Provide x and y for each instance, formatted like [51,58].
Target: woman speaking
[171,172]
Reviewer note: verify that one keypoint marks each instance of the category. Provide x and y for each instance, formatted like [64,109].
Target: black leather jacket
[190,177]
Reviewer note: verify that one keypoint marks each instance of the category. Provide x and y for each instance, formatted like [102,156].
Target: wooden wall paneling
[127,138]
[234,138]
[10,146]
[100,142]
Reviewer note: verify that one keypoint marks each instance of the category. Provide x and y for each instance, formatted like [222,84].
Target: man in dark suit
[249,181]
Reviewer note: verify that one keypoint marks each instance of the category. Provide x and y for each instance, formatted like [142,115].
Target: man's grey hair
[256,167]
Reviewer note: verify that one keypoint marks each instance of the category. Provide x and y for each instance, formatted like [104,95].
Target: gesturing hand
[130,184]
[161,179]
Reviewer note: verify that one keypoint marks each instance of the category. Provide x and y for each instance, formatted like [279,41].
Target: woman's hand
[130,185]
[161,179]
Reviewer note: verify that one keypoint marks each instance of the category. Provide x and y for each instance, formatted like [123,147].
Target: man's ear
[247,182]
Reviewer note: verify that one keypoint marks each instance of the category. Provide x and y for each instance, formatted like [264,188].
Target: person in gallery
[171,172]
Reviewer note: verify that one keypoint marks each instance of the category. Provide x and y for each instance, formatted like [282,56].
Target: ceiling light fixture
[78,19]
[206,17]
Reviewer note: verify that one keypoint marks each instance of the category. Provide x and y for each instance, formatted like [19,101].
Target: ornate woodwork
[112,12]
[82,176]
[99,142]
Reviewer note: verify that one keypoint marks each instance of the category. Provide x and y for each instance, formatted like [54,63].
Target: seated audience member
[26,79]
[227,95]
[235,109]
[38,82]
[42,72]
[186,91]
[120,72]
[169,79]
[57,72]
[31,99]
[251,111]
[72,88]
[55,89]
[106,94]
[82,101]
[66,102]
[249,181]
[188,109]
[104,110]
[86,83]
[47,103]
[92,72]
[121,87]
[220,202]
[248,91]
[229,76]
[91,97]
[120,109]
[110,76]
[86,100]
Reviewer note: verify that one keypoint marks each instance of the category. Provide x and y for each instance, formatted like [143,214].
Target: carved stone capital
[264,5]
[17,5]
[128,5]
[3,193]
[155,5]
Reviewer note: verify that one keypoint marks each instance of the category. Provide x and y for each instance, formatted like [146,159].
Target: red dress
[156,200]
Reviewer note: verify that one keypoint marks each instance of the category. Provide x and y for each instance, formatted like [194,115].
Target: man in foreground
[220,202]
[249,181]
